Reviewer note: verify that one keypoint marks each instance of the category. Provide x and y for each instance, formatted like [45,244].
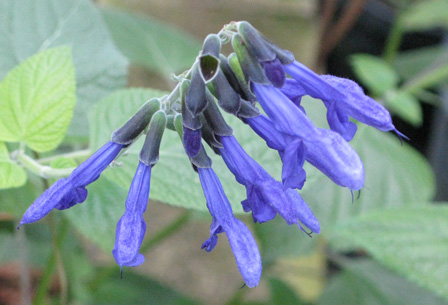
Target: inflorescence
[257,73]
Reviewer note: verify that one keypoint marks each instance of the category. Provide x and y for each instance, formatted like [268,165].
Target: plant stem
[393,40]
[79,154]
[54,261]
[43,171]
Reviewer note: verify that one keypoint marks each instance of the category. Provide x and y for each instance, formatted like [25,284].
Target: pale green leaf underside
[37,99]
[151,43]
[97,217]
[29,27]
[412,241]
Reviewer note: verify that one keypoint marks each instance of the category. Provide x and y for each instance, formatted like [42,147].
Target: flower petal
[90,170]
[131,227]
[240,238]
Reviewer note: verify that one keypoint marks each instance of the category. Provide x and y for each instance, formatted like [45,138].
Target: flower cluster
[258,72]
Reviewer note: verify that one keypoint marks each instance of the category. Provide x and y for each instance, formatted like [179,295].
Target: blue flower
[265,196]
[240,238]
[343,98]
[131,227]
[326,150]
[67,192]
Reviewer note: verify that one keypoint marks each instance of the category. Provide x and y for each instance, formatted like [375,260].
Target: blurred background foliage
[390,246]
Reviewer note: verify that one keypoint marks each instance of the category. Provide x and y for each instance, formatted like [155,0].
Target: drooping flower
[240,238]
[342,97]
[325,149]
[265,196]
[131,227]
[67,192]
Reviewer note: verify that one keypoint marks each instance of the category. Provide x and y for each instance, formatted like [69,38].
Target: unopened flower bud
[195,96]
[149,154]
[193,123]
[209,59]
[132,128]
[228,99]
[249,64]
[214,118]
[254,42]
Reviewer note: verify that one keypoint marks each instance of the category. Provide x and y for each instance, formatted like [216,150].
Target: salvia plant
[258,73]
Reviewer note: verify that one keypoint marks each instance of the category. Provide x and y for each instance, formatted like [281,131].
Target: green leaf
[97,217]
[29,27]
[136,289]
[425,15]
[37,99]
[151,43]
[173,180]
[406,106]
[412,241]
[374,72]
[11,174]
[368,283]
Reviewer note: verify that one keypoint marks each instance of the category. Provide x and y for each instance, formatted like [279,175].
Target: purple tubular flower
[294,92]
[325,150]
[349,97]
[131,227]
[240,238]
[337,119]
[265,196]
[67,192]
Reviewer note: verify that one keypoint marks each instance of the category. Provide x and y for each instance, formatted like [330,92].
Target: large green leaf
[37,99]
[30,26]
[97,217]
[151,43]
[136,289]
[173,180]
[374,72]
[412,241]
[11,174]
[368,283]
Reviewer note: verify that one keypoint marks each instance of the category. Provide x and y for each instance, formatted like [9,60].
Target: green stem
[393,41]
[172,228]
[54,262]
[43,171]
[79,154]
